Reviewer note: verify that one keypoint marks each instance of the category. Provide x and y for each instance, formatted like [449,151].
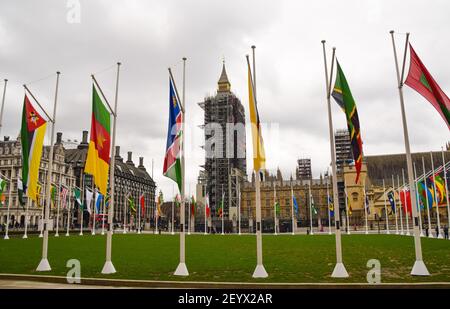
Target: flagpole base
[260,272]
[25,236]
[339,271]
[56,235]
[181,270]
[44,265]
[81,234]
[108,268]
[419,269]
[440,236]
[422,234]
[367,233]
[6,237]
[388,233]
[430,236]
[41,235]
[103,233]
[67,234]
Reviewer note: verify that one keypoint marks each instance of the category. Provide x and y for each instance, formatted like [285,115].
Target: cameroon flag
[343,96]
[32,138]
[97,162]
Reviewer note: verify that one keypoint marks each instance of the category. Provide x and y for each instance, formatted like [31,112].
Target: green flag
[77,196]
[313,207]
[277,208]
[131,204]
[2,189]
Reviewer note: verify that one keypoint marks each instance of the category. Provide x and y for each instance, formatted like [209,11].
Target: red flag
[405,198]
[142,203]
[421,81]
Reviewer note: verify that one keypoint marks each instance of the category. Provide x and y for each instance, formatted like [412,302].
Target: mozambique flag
[97,161]
[343,96]
[32,138]
[259,156]
[172,159]
[421,81]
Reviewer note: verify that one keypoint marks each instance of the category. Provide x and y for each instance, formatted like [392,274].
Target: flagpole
[260,271]
[239,204]
[41,232]
[395,206]
[328,203]
[406,201]
[94,208]
[339,270]
[25,236]
[44,264]
[3,103]
[346,210]
[385,209]
[419,267]
[83,200]
[439,233]
[108,268]
[206,202]
[365,210]
[418,203]
[68,210]
[222,210]
[103,215]
[430,234]
[139,216]
[310,209]
[446,187]
[59,204]
[173,211]
[9,201]
[124,212]
[274,209]
[292,209]
[402,232]
[189,211]
[182,268]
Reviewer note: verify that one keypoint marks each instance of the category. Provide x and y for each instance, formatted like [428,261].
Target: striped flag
[63,196]
[172,159]
[32,138]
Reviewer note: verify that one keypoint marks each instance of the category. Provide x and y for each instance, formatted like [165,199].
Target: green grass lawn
[287,258]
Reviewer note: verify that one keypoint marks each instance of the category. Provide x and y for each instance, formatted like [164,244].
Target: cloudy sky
[40,37]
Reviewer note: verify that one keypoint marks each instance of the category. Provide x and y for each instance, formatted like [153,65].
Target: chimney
[59,138]
[84,141]
[141,163]
[117,154]
[130,159]
[6,138]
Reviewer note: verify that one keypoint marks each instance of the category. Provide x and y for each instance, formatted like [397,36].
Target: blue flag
[330,202]
[294,200]
[367,205]
[391,200]
[98,202]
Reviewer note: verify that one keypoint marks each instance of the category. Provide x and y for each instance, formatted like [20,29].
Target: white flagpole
[83,200]
[124,213]
[44,264]
[173,211]
[182,268]
[189,216]
[430,234]
[402,232]
[260,271]
[406,201]
[103,215]
[385,209]
[346,211]
[418,204]
[365,211]
[68,209]
[419,267]
[9,200]
[395,206]
[439,232]
[3,103]
[93,209]
[59,205]
[41,233]
[239,205]
[292,210]
[274,209]
[339,270]
[222,206]
[139,217]
[310,209]
[108,268]
[26,219]
[328,203]
[446,187]
[206,203]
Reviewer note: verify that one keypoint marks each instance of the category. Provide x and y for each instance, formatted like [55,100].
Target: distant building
[225,163]
[304,171]
[343,150]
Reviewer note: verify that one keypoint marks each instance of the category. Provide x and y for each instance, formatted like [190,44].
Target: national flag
[343,96]
[207,208]
[440,188]
[391,199]
[425,191]
[277,208]
[259,156]
[172,158]
[63,197]
[193,206]
[98,202]
[349,205]
[405,198]
[331,206]
[77,196]
[20,192]
[294,201]
[313,206]
[421,81]
[38,195]
[159,202]
[53,194]
[142,203]
[221,205]
[87,199]
[97,161]
[32,138]
[2,188]
[131,204]
[367,205]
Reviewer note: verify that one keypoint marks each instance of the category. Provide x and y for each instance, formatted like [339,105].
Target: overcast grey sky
[38,38]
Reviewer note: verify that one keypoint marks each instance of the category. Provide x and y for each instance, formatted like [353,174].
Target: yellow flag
[259,156]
